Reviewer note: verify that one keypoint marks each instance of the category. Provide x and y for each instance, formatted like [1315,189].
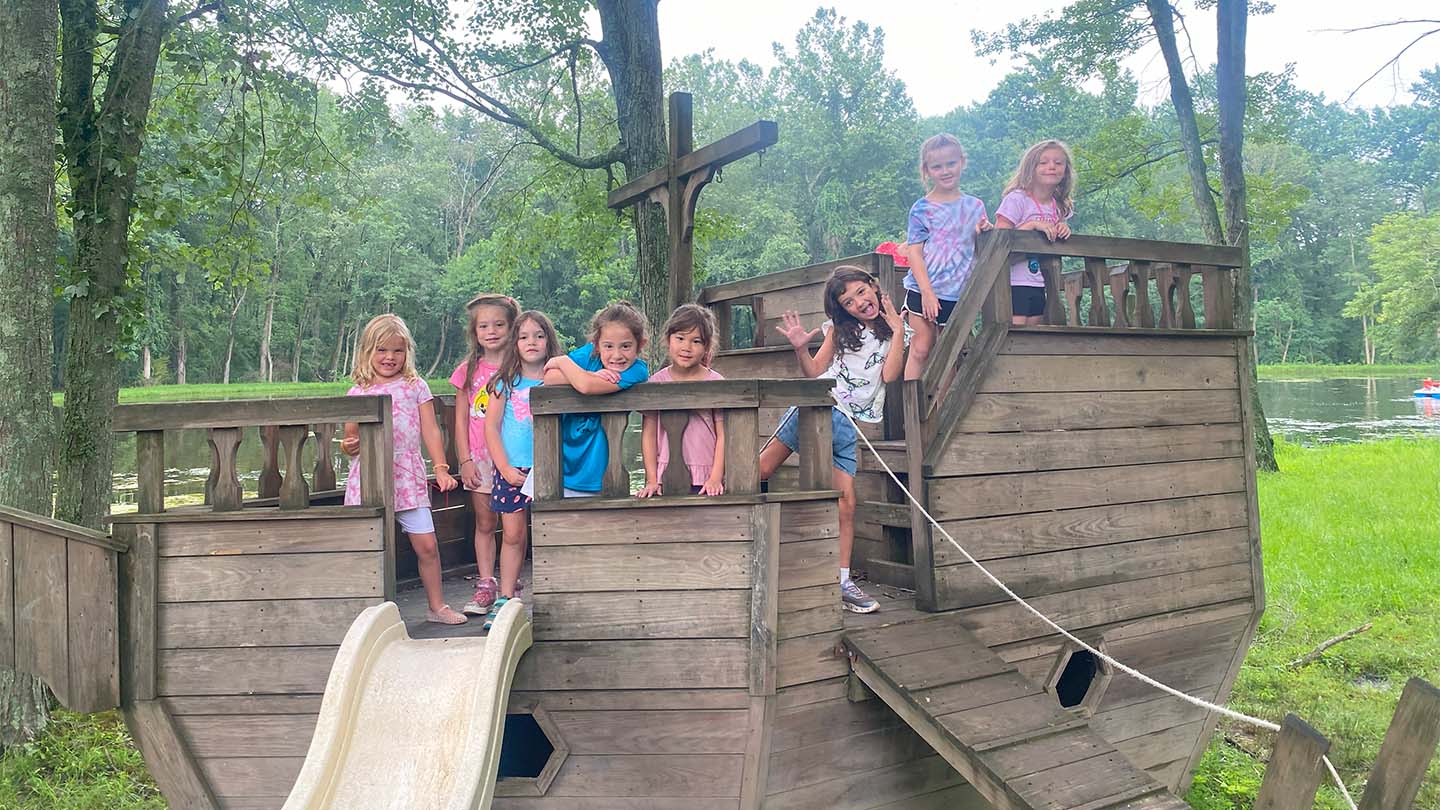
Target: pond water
[1322,411]
[1303,411]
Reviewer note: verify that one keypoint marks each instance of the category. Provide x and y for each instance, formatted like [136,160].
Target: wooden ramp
[1000,730]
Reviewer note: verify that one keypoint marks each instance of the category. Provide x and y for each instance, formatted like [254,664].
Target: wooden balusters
[1218,289]
[676,479]
[757,306]
[742,453]
[1184,309]
[1074,290]
[548,469]
[294,494]
[1097,274]
[1165,292]
[616,483]
[223,487]
[324,475]
[1054,308]
[1140,279]
[150,471]
[270,474]
[1120,294]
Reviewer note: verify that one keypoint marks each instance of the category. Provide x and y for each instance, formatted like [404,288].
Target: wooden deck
[1002,731]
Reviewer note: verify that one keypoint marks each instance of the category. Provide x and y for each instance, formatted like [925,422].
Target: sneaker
[494,611]
[485,592]
[855,600]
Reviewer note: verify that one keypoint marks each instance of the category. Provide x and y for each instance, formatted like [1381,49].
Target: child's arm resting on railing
[564,371]
[715,484]
[498,457]
[650,454]
[350,445]
[800,338]
[435,446]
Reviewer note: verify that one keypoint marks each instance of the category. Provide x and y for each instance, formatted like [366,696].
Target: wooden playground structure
[690,652]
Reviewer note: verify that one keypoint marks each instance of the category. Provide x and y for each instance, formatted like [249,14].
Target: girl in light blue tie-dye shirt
[941,245]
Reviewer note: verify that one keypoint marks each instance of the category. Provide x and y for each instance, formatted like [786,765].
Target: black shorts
[912,304]
[1027,301]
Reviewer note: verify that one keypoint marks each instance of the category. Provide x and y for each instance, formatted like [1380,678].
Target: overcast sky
[927,42]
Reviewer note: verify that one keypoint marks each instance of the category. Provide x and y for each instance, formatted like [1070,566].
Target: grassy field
[1321,371]
[213,391]
[1349,535]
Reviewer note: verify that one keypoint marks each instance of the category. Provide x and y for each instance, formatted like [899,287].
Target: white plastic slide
[411,723]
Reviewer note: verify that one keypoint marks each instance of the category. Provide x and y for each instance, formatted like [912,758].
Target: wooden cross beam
[676,185]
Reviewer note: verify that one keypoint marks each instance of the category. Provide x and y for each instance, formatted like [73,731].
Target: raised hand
[793,331]
[893,316]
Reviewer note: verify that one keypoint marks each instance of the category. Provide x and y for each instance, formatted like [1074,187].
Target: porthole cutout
[531,753]
[1079,679]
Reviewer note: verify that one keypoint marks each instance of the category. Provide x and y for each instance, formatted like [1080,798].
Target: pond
[1303,411]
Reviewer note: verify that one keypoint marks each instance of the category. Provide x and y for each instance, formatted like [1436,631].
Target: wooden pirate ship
[690,652]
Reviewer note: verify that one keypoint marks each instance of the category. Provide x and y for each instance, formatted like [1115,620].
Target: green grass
[213,391]
[1349,535]
[81,762]
[1325,371]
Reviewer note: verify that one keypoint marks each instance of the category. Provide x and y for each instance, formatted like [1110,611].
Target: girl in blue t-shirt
[610,362]
[940,241]
[511,440]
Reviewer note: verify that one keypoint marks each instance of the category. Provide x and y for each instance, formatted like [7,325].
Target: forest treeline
[275,214]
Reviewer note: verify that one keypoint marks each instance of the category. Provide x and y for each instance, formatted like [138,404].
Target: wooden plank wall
[1104,478]
[248,614]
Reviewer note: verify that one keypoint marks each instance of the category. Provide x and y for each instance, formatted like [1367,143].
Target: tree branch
[195,13]
[1392,60]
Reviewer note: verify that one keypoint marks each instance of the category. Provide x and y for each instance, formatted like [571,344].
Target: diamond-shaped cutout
[1079,679]
[531,752]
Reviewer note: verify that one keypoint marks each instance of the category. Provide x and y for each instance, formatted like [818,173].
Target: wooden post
[224,485]
[1140,278]
[324,475]
[922,558]
[1186,310]
[150,471]
[742,457]
[1295,769]
[1165,291]
[1409,745]
[1097,274]
[1074,289]
[1054,309]
[270,474]
[815,450]
[998,305]
[676,480]
[548,469]
[139,594]
[764,598]
[616,482]
[1120,295]
[294,494]
[724,325]
[377,486]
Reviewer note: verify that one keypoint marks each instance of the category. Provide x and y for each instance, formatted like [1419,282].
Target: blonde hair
[935,143]
[693,316]
[380,329]
[476,352]
[1024,175]
[625,314]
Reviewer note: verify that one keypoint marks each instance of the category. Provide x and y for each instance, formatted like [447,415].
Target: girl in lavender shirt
[690,340]
[1037,198]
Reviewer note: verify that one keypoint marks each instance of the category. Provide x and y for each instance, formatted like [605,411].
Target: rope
[1131,671]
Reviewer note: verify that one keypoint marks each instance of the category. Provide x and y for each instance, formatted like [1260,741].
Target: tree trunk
[1231,22]
[180,346]
[267,363]
[27,276]
[1162,18]
[631,52]
[145,363]
[337,355]
[102,149]
[230,341]
[440,354]
[299,342]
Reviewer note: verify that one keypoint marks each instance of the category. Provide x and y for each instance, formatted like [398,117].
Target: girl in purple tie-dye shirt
[941,236]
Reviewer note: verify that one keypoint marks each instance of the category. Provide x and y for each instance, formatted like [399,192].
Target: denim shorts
[842,438]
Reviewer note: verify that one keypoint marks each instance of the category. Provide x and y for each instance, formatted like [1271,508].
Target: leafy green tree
[1405,252]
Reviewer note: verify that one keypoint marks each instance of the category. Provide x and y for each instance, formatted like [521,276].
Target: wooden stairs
[1004,733]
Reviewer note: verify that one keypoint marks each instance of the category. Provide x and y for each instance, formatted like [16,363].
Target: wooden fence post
[1295,769]
[1409,745]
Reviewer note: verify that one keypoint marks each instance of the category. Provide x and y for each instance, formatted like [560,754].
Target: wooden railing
[285,426]
[58,615]
[800,289]
[739,401]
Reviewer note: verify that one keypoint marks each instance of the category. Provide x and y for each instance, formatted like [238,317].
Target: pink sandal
[445,615]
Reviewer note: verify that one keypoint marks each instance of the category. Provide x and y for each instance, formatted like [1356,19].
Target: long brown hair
[509,373]
[627,315]
[848,327]
[1024,175]
[693,316]
[380,329]
[476,352]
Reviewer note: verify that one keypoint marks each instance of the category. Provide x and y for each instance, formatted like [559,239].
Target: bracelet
[442,466]
[463,463]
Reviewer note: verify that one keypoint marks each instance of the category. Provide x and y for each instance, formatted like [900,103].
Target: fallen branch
[1309,658]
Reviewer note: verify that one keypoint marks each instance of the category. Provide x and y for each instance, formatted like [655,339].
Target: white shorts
[416,521]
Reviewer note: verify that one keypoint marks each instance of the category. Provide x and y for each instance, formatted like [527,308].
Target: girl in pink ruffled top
[385,365]
[690,340]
